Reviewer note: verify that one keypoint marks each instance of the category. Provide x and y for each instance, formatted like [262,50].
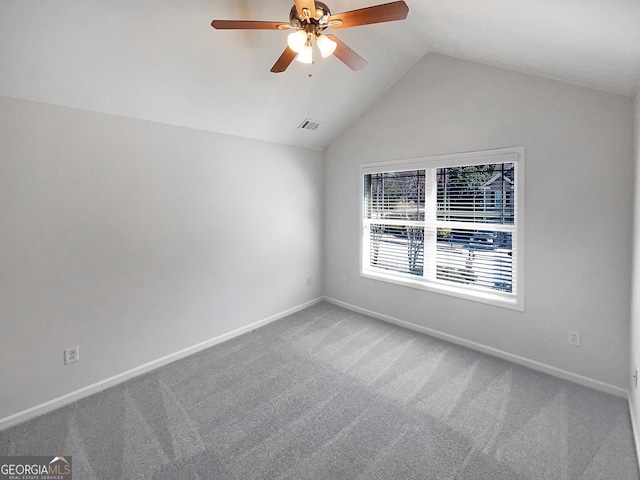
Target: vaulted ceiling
[160,60]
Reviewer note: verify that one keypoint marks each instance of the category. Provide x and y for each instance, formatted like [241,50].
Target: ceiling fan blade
[284,61]
[347,56]
[308,4]
[387,12]
[248,25]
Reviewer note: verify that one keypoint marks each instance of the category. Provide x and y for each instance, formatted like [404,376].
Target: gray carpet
[330,394]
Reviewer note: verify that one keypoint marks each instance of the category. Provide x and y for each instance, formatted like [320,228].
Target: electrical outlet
[635,378]
[574,338]
[71,355]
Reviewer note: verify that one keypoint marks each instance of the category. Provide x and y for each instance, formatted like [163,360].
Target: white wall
[579,197]
[634,398]
[135,240]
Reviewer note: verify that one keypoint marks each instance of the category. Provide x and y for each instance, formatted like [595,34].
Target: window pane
[397,248]
[475,257]
[476,193]
[395,195]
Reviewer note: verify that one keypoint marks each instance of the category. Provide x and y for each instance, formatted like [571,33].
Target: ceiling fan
[310,19]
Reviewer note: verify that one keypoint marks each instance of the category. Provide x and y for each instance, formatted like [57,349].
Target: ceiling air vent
[309,124]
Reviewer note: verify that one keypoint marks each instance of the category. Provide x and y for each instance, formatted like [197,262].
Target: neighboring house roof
[488,184]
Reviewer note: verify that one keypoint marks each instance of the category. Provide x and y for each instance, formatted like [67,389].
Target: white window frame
[512,300]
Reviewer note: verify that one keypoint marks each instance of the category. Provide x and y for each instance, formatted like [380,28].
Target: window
[451,224]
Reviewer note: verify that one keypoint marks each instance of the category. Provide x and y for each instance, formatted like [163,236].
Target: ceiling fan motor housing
[315,24]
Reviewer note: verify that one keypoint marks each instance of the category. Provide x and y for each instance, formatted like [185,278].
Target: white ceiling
[160,60]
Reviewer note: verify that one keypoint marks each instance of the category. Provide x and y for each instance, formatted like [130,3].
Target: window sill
[497,299]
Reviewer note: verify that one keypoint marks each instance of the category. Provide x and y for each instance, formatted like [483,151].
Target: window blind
[476,193]
[396,202]
[473,203]
[395,195]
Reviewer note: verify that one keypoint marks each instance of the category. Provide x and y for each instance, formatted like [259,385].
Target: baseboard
[634,424]
[76,395]
[533,364]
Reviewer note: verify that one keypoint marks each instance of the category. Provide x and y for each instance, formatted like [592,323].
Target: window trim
[515,300]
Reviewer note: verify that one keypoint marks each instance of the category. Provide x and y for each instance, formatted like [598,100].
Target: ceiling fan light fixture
[306,54]
[325,45]
[297,40]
